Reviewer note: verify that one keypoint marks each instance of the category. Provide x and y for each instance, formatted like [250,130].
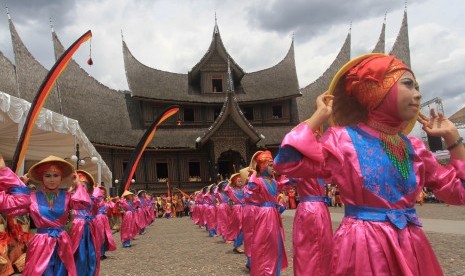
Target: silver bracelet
[455,144]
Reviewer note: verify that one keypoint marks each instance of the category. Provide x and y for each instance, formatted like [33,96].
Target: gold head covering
[361,84]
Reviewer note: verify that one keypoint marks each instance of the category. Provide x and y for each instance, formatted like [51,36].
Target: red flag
[143,143]
[40,98]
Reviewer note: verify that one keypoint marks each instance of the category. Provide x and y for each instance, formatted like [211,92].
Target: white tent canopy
[53,134]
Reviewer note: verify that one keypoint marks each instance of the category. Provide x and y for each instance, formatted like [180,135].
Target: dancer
[106,241]
[268,253]
[234,232]
[128,223]
[380,171]
[84,233]
[223,210]
[49,251]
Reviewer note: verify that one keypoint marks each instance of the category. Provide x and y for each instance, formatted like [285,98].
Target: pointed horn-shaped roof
[216,47]
[8,76]
[280,81]
[401,48]
[147,82]
[29,72]
[231,109]
[101,123]
[306,103]
[380,45]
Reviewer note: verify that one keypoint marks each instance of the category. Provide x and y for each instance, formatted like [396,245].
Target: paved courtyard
[178,247]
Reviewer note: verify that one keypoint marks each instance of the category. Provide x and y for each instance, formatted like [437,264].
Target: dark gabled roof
[216,47]
[146,82]
[107,118]
[30,73]
[231,110]
[306,103]
[113,116]
[274,135]
[277,82]
[7,76]
[401,48]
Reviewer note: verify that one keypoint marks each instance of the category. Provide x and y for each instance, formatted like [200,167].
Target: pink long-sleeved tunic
[380,234]
[50,222]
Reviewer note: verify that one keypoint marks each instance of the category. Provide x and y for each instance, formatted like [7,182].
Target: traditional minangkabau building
[226,114]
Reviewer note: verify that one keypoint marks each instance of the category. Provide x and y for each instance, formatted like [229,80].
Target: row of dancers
[371,105]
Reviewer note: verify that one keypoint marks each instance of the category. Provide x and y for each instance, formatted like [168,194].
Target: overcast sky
[173,35]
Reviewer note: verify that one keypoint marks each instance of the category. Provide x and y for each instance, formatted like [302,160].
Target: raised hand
[439,126]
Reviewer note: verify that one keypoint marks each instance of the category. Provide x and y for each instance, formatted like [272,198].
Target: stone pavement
[178,247]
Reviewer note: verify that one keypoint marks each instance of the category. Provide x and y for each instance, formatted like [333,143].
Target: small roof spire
[350,27]
[122,36]
[385,15]
[51,25]
[405,7]
[216,30]
[7,12]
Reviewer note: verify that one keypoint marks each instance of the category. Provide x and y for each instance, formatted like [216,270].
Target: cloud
[311,18]
[174,35]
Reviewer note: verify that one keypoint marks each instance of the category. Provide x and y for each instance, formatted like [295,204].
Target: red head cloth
[263,159]
[234,178]
[85,177]
[51,167]
[370,80]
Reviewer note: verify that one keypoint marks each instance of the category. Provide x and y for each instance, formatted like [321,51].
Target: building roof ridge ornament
[51,25]
[216,30]
[7,12]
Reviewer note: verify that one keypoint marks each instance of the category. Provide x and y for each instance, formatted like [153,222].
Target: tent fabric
[53,134]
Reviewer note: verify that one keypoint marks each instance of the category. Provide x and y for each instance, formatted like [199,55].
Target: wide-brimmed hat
[244,174]
[35,172]
[346,110]
[126,193]
[234,175]
[85,176]
[140,192]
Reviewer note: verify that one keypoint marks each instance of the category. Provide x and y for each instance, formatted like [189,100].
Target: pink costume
[312,233]
[85,239]
[14,195]
[268,253]
[380,234]
[105,239]
[139,215]
[50,236]
[235,218]
[223,212]
[210,212]
[196,209]
[128,222]
[249,215]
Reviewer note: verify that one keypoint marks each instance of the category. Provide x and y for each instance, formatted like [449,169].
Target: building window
[248,113]
[162,172]
[217,85]
[188,114]
[216,112]
[277,112]
[194,171]
[125,164]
